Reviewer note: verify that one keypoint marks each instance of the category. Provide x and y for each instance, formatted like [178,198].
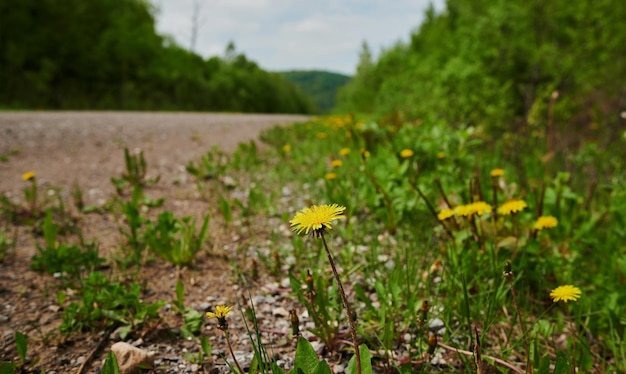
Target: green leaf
[124,331]
[561,366]
[254,365]
[366,361]
[322,368]
[7,368]
[180,294]
[21,342]
[110,364]
[206,346]
[225,208]
[306,358]
[193,322]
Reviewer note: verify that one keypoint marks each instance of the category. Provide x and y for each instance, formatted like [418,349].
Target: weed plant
[69,260]
[135,175]
[102,304]
[175,239]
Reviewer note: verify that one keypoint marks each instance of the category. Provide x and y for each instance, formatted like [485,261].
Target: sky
[284,35]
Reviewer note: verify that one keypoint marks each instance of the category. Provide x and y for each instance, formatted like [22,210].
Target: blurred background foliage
[522,68]
[106,54]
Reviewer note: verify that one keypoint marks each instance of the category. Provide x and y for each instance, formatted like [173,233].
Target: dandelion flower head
[441,155]
[28,175]
[344,151]
[565,293]
[512,206]
[221,311]
[445,214]
[497,172]
[545,222]
[330,176]
[336,163]
[479,208]
[287,148]
[316,218]
[406,153]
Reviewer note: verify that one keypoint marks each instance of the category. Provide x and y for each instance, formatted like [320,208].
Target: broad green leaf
[366,361]
[322,368]
[561,366]
[21,342]
[7,368]
[306,358]
[110,364]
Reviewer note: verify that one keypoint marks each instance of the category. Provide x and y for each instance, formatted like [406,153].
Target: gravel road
[87,147]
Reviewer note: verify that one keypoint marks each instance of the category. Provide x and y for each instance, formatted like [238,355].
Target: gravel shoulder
[86,148]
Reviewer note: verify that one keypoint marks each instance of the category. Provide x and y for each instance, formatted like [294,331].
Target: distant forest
[106,54]
[320,86]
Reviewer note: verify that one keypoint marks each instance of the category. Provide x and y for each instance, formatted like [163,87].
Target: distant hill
[320,86]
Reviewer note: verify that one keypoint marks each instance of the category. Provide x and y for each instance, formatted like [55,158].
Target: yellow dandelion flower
[406,153]
[287,148]
[512,206]
[28,175]
[330,176]
[344,151]
[441,155]
[336,163]
[316,218]
[545,222]
[322,135]
[445,214]
[365,153]
[221,311]
[497,172]
[565,293]
[479,208]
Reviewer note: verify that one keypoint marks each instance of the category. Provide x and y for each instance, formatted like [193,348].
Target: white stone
[130,358]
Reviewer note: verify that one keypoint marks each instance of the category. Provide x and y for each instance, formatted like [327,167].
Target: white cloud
[293,34]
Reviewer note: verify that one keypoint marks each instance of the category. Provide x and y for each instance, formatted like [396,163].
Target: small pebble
[63,361]
[339,369]
[281,312]
[435,325]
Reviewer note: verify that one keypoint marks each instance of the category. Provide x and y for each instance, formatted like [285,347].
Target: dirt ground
[86,149]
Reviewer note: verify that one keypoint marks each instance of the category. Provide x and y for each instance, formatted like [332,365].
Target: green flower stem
[518,310]
[230,348]
[355,339]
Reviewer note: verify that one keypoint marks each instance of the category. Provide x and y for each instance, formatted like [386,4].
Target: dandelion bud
[309,281]
[255,270]
[295,323]
[432,344]
[424,312]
